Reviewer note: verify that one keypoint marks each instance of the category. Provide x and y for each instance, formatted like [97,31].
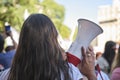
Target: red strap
[98,69]
[73,59]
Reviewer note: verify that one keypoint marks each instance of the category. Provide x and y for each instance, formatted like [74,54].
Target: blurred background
[64,14]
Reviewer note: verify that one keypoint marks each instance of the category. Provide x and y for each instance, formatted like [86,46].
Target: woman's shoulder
[116,71]
[115,74]
[74,72]
[102,62]
[103,75]
[101,59]
[4,74]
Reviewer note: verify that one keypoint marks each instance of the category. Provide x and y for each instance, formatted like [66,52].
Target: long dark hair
[109,52]
[39,55]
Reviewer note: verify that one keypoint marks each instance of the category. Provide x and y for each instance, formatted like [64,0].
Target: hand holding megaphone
[87,31]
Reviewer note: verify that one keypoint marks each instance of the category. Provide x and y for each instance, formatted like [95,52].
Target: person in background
[6,57]
[1,52]
[98,55]
[115,73]
[105,61]
[39,55]
[11,47]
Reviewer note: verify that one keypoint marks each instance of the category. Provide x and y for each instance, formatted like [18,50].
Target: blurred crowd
[39,56]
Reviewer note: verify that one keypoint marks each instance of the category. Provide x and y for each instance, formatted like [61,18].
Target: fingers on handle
[83,51]
[90,50]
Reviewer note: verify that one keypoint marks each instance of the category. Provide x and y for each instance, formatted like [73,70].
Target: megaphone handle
[73,59]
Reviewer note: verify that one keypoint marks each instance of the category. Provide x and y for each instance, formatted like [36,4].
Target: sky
[87,9]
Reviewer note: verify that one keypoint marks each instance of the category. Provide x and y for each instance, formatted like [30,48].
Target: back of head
[109,45]
[1,43]
[38,55]
[109,48]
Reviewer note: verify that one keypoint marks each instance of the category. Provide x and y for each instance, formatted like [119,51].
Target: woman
[116,67]
[105,61]
[39,55]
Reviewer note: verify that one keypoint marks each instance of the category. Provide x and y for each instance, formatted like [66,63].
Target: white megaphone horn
[87,31]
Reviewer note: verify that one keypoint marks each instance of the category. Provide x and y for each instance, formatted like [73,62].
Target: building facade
[109,20]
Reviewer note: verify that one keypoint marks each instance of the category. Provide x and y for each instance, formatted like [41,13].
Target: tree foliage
[12,11]
[56,12]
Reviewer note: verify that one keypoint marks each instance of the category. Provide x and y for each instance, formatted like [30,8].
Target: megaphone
[87,31]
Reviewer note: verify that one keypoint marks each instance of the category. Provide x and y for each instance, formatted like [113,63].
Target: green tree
[56,12]
[75,34]
[12,11]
